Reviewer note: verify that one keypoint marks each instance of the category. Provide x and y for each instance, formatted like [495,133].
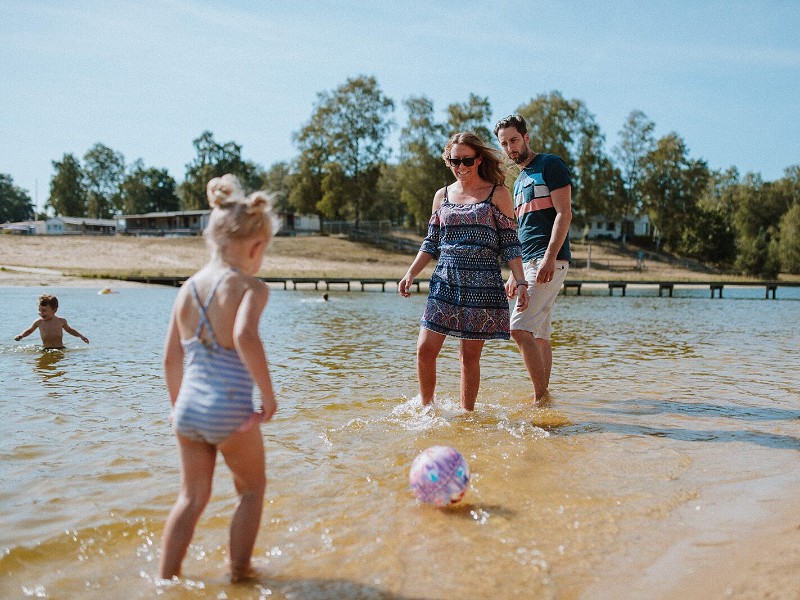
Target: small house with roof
[24,227]
[599,227]
[173,223]
[80,226]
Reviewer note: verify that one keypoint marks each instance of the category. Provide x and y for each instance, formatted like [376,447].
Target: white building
[599,227]
[80,226]
[25,227]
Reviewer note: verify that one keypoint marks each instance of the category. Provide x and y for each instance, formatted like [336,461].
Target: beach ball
[439,475]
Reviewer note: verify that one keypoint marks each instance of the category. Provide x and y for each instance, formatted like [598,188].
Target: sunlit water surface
[658,402]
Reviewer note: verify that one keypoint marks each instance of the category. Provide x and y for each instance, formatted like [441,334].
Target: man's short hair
[516,121]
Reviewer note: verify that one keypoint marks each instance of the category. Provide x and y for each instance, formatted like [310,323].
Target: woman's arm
[429,246]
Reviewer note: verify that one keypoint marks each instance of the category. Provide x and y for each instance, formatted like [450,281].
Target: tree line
[344,170]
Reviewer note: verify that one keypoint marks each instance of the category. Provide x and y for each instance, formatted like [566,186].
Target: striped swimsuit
[216,395]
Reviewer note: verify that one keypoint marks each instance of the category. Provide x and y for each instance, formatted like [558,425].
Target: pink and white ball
[439,475]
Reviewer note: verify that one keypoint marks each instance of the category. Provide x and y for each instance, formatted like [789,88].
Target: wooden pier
[363,284]
[715,287]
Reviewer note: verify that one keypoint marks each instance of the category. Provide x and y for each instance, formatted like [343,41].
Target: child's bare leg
[197,471]
[244,454]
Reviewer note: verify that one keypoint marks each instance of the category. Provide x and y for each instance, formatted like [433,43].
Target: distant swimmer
[49,325]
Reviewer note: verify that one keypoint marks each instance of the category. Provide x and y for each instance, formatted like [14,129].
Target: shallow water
[660,405]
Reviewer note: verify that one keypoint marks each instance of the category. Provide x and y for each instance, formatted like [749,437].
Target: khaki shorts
[537,318]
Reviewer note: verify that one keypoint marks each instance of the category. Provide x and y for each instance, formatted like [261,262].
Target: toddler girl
[214,327]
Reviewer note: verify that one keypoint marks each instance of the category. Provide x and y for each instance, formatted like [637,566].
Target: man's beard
[523,156]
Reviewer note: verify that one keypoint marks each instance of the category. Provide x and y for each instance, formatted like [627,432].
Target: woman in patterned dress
[472,226]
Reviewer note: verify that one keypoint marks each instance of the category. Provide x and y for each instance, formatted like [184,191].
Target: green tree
[789,244]
[337,188]
[553,124]
[421,170]
[711,235]
[277,181]
[388,204]
[346,138]
[671,186]
[309,167]
[473,115]
[636,142]
[67,192]
[757,255]
[15,203]
[598,184]
[104,172]
[214,160]
[147,190]
[566,127]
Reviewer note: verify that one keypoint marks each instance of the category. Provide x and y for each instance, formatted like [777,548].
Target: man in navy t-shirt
[543,205]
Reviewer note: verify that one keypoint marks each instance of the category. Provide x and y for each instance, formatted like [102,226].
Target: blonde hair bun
[236,216]
[258,202]
[223,191]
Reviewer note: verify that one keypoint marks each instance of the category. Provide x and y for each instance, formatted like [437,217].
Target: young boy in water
[50,326]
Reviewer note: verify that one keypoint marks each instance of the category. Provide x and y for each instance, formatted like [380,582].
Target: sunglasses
[468,161]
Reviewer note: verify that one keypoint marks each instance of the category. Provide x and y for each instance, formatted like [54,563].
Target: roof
[174,213]
[85,221]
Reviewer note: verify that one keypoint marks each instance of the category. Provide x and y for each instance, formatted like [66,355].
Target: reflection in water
[46,363]
[655,401]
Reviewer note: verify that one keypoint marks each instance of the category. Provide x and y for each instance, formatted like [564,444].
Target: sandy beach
[67,260]
[760,559]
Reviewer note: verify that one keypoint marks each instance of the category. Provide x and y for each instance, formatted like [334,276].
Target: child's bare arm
[248,344]
[74,332]
[173,359]
[29,330]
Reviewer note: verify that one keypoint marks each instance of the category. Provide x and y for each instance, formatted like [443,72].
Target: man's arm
[562,202]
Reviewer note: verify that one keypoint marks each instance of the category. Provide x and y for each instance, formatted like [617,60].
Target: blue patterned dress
[467,297]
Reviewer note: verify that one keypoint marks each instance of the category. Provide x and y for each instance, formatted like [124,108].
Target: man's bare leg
[538,357]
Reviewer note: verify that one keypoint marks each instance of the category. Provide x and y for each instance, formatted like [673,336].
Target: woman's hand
[404,286]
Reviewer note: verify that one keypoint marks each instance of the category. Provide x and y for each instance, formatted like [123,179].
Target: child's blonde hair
[234,215]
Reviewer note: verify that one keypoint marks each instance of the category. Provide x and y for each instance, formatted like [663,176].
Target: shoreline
[303,257]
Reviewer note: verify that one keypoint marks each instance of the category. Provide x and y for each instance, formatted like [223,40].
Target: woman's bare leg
[470,357]
[429,344]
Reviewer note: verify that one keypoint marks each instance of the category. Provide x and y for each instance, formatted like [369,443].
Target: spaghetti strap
[203,309]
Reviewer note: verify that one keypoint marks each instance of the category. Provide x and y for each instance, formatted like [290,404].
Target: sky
[146,77]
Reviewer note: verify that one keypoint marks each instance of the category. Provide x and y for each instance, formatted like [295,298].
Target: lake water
[672,419]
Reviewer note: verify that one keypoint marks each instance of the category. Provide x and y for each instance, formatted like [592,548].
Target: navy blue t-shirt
[534,206]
